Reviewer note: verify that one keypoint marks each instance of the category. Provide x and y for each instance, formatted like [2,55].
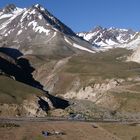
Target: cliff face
[29,108]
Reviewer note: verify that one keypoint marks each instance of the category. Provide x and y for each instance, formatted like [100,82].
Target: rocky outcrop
[135,57]
[29,108]
[92,92]
[32,108]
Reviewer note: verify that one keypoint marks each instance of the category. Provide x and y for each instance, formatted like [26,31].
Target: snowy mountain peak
[36,31]
[97,28]
[39,7]
[103,37]
[9,8]
[36,17]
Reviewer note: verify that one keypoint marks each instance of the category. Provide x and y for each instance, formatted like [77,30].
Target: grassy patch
[123,131]
[129,101]
[108,64]
[12,91]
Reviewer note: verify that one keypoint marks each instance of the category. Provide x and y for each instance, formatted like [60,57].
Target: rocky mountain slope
[33,28]
[20,93]
[107,38]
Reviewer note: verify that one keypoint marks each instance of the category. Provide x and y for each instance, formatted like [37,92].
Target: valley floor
[72,130]
[129,131]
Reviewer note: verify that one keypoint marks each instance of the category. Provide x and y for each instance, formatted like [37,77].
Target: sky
[84,15]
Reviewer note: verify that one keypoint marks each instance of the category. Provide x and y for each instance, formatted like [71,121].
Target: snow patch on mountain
[39,7]
[19,32]
[110,42]
[6,16]
[10,14]
[38,28]
[13,16]
[82,48]
[54,34]
[41,29]
[78,46]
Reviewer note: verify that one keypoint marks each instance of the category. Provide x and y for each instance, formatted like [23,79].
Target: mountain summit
[35,30]
[9,8]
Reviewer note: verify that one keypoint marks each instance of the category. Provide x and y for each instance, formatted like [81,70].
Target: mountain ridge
[37,26]
[103,37]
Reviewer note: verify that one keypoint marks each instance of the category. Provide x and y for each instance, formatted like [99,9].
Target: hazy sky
[83,15]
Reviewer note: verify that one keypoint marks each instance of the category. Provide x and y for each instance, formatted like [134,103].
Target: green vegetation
[12,91]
